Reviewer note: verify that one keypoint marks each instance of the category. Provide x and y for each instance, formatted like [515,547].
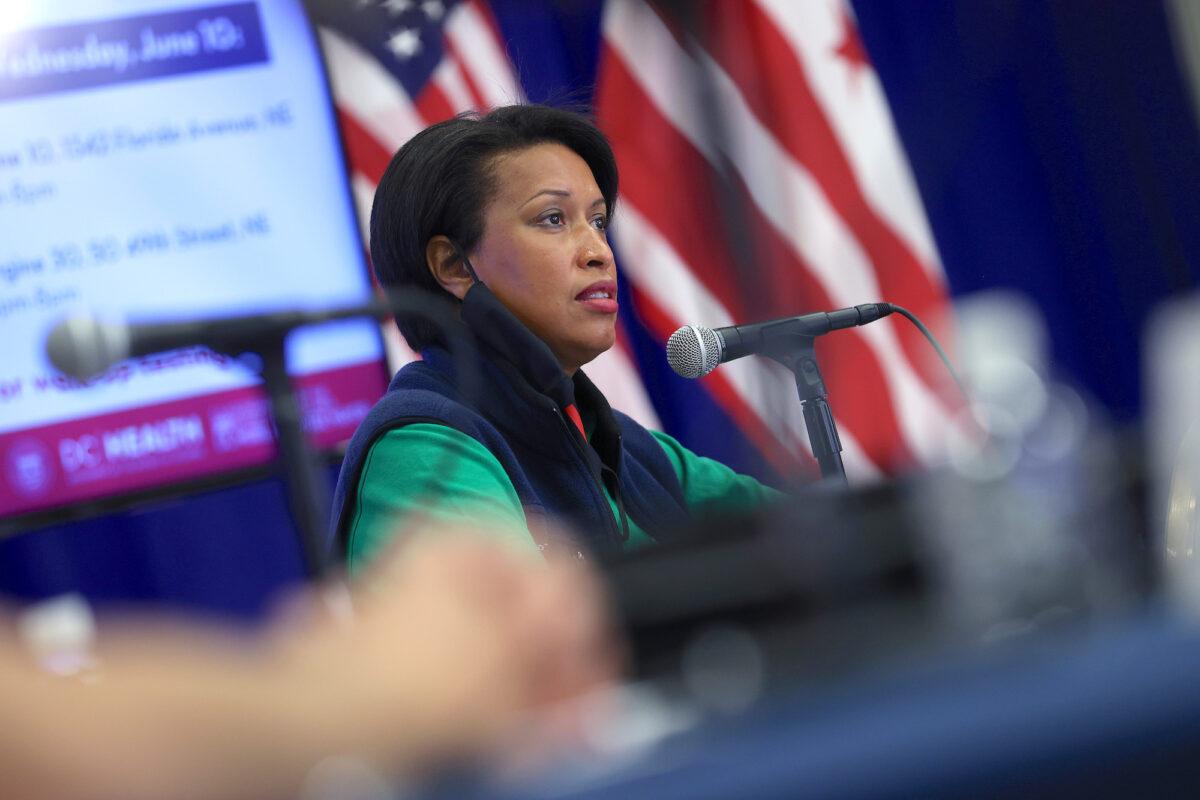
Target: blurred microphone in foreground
[84,347]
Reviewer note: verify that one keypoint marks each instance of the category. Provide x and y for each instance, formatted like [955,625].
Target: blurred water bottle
[1172,422]
[1027,520]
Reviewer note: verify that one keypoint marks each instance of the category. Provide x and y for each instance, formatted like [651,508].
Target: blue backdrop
[1055,151]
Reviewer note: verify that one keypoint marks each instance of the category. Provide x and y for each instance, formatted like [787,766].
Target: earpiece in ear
[443,257]
[466,262]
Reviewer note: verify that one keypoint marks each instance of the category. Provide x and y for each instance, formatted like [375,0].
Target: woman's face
[544,252]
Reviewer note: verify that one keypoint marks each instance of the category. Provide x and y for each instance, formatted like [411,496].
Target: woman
[507,215]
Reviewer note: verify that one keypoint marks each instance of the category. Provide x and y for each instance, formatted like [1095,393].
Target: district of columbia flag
[761,177]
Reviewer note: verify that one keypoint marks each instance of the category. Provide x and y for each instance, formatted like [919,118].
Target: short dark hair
[441,181]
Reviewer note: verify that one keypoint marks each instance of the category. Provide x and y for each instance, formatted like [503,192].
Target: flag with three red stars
[761,176]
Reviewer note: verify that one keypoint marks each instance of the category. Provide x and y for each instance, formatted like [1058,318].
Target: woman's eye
[553,218]
[600,223]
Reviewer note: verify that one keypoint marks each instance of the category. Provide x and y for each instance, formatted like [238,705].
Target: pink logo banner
[156,445]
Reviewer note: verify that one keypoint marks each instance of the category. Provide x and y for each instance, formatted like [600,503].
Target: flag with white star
[397,66]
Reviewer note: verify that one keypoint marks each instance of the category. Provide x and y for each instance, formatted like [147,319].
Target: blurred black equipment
[832,578]
[789,574]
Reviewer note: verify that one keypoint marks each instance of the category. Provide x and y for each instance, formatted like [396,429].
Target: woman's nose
[594,250]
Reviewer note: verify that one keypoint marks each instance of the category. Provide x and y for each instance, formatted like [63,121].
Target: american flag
[761,176]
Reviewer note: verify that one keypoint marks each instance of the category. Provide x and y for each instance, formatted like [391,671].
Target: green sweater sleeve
[440,472]
[436,471]
[709,485]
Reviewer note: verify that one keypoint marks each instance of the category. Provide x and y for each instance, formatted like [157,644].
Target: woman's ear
[441,256]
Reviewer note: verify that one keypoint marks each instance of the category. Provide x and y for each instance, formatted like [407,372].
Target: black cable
[911,317]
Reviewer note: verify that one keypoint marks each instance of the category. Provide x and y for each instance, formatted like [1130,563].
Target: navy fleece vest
[555,474]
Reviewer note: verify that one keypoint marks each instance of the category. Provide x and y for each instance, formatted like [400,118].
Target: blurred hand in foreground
[483,634]
[454,641]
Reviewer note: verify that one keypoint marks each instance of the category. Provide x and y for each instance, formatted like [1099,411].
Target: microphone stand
[307,490]
[799,354]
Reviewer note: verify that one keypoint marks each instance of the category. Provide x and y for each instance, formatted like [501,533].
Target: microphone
[693,351]
[83,347]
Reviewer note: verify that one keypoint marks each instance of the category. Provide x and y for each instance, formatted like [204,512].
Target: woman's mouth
[600,297]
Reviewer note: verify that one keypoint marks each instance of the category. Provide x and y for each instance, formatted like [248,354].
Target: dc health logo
[29,467]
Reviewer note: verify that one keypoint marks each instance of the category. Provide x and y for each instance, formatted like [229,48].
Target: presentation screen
[167,160]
